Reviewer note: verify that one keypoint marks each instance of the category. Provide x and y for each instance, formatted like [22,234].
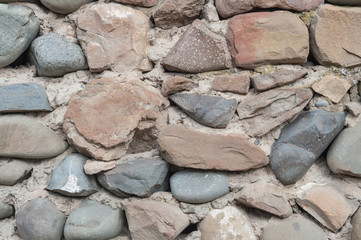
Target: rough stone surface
[321,103]
[346,2]
[301,143]
[198,50]
[140,177]
[142,3]
[194,186]
[188,148]
[356,225]
[332,87]
[176,84]
[354,108]
[107,134]
[18,28]
[13,172]
[212,111]
[262,113]
[94,221]
[344,48]
[6,210]
[209,12]
[116,39]
[261,38]
[39,219]
[64,6]
[93,167]
[154,220]
[234,84]
[24,137]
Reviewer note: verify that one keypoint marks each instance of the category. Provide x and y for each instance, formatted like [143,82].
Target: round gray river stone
[18,28]
[193,186]
[64,6]
[6,210]
[14,171]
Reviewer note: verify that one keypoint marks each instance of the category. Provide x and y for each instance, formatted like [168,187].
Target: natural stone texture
[262,113]
[209,12]
[13,172]
[64,6]
[93,167]
[69,179]
[235,84]
[142,3]
[295,227]
[332,87]
[302,142]
[54,55]
[265,196]
[229,8]
[212,111]
[24,137]
[176,84]
[344,47]
[188,148]
[39,219]
[321,103]
[94,221]
[18,27]
[354,108]
[356,225]
[225,224]
[25,97]
[140,177]
[347,3]
[155,220]
[198,50]
[174,13]
[6,210]
[265,82]
[193,186]
[326,205]
[261,38]
[118,107]
[116,39]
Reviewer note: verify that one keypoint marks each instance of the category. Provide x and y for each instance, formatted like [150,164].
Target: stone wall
[192,119]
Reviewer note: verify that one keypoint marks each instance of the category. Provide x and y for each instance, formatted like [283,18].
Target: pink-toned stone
[176,84]
[332,87]
[235,84]
[93,167]
[142,3]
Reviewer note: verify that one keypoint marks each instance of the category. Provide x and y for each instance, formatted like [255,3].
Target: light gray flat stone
[14,171]
[6,210]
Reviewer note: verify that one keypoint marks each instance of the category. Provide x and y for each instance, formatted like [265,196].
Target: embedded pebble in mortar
[6,210]
[64,6]
[14,171]
[321,103]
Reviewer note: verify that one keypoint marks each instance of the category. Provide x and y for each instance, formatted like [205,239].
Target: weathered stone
[347,3]
[321,103]
[142,3]
[332,87]
[356,225]
[326,205]
[94,221]
[198,50]
[209,12]
[64,6]
[93,167]
[69,179]
[13,172]
[226,224]
[18,27]
[54,55]
[265,196]
[176,84]
[174,13]
[235,84]
[354,108]
[107,134]
[116,39]
[262,113]
[261,38]
[265,82]
[302,142]
[212,111]
[344,48]
[188,148]
[155,220]
[6,210]
[24,137]
[193,186]
[39,219]
[140,177]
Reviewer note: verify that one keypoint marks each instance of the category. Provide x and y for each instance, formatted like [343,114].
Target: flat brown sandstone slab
[332,87]
[234,84]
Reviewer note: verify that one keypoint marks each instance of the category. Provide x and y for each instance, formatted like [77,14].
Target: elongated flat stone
[14,171]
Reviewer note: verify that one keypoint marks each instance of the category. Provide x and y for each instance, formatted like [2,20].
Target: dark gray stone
[39,219]
[346,2]
[13,172]
[194,186]
[55,56]
[211,111]
[18,28]
[70,179]
[94,221]
[302,141]
[6,210]
[64,6]
[140,177]
[25,97]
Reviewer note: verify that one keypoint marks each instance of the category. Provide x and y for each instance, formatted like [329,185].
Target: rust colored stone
[234,84]
[176,84]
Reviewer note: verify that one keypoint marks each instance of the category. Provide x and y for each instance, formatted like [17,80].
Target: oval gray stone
[13,172]
[193,186]
[6,210]
[64,6]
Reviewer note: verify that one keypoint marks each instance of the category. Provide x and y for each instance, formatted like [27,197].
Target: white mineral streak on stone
[71,185]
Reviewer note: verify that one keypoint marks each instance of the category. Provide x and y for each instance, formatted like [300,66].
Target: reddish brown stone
[142,3]
[235,84]
[176,84]
[332,87]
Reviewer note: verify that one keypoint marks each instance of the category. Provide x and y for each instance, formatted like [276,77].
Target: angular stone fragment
[344,48]
[176,84]
[346,3]
[118,107]
[142,3]
[354,108]
[24,137]
[265,196]
[18,27]
[198,50]
[155,220]
[265,82]
[332,87]
[6,210]
[302,142]
[212,111]
[93,167]
[188,148]
[116,39]
[356,225]
[326,205]
[262,113]
[14,171]
[261,38]
[234,84]
[64,6]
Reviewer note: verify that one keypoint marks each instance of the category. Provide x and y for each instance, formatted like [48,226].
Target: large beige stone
[332,87]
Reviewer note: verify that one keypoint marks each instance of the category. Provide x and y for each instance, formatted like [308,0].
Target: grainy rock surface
[14,171]
[93,166]
[176,84]
[356,225]
[354,108]
[332,87]
[6,210]
[234,84]
[64,6]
